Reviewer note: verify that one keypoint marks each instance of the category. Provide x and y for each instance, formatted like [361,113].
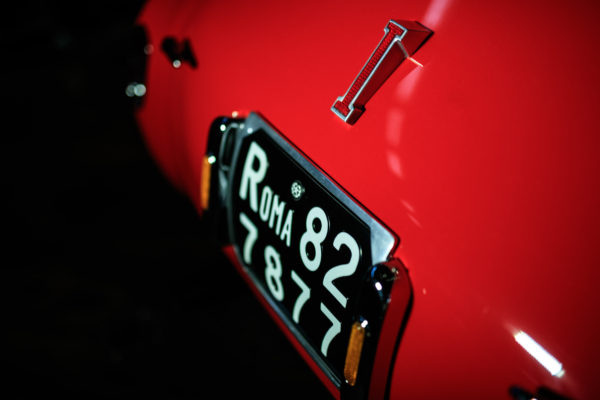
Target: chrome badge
[400,41]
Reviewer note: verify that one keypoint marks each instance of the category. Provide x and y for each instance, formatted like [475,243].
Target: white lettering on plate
[269,207]
[276,211]
[251,177]
[271,210]
[265,202]
[286,234]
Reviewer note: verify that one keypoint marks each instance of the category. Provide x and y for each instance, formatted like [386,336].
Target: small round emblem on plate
[297,190]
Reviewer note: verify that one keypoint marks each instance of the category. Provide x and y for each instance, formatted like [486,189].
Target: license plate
[305,243]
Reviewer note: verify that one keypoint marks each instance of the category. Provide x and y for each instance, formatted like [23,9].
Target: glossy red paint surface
[484,162]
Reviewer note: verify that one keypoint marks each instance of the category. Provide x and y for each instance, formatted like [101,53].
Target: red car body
[483,161]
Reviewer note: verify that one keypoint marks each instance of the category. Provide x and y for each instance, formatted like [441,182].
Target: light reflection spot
[135,89]
[139,90]
[394,164]
[540,354]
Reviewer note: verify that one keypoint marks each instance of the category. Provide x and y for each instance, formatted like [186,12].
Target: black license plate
[305,243]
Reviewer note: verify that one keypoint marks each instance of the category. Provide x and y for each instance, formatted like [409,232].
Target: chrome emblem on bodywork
[400,41]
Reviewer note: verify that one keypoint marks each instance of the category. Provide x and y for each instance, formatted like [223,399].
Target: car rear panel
[484,161]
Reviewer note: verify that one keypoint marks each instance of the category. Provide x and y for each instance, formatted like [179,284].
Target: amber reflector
[355,344]
[205,181]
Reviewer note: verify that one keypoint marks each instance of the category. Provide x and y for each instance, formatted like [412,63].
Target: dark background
[112,287]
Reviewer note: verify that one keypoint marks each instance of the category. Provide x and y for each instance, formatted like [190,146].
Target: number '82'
[311,250]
